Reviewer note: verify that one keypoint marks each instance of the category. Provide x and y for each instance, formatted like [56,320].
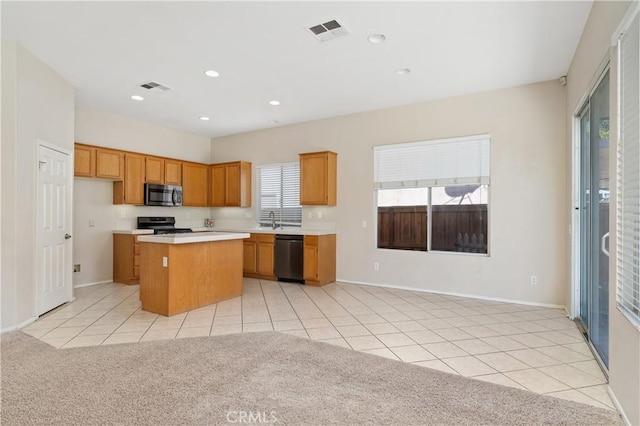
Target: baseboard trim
[19,326]
[616,403]
[447,293]
[91,284]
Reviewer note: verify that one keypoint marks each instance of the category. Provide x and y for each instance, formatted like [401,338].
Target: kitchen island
[181,272]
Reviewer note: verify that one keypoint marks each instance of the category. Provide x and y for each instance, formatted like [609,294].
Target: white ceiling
[263,52]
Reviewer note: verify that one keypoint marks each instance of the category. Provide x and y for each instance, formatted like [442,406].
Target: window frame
[295,193]
[484,181]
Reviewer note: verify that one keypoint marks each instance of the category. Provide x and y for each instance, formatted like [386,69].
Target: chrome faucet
[272,216]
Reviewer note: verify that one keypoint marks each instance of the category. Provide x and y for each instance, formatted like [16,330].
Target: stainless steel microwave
[162,195]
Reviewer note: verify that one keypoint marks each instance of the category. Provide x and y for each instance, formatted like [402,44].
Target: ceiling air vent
[328,30]
[154,87]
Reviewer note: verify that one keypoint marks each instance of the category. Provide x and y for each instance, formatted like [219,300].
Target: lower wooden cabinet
[319,259]
[126,259]
[258,256]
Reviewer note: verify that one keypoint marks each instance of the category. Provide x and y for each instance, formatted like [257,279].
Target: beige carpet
[267,377]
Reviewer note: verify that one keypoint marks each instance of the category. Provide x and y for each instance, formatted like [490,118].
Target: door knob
[67,236]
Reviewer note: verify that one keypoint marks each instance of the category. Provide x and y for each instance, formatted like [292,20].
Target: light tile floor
[525,347]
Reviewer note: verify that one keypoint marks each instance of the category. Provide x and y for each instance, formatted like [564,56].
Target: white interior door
[55,182]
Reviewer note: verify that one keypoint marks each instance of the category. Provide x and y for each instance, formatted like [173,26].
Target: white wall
[624,338]
[93,198]
[528,228]
[37,104]
[8,282]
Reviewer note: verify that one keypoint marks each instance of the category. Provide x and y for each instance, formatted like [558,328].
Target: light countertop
[269,230]
[134,231]
[194,237]
[263,230]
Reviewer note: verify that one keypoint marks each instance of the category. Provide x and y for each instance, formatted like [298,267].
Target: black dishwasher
[289,258]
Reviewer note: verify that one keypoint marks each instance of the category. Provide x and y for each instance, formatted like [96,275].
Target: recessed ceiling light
[204,118]
[212,73]
[376,38]
[274,103]
[273,121]
[137,98]
[403,71]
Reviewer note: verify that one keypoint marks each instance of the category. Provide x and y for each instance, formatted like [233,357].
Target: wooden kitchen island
[181,272]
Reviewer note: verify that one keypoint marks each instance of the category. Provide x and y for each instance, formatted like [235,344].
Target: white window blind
[279,192]
[454,161]
[628,177]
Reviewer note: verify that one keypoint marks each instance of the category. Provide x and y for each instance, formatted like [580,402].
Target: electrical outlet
[309,215]
[534,280]
[123,214]
[364,223]
[76,268]
[376,266]
[319,215]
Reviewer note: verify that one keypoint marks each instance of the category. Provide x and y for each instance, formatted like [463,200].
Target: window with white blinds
[454,161]
[434,195]
[279,192]
[628,177]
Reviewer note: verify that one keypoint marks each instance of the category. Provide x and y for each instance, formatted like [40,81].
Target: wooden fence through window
[455,228]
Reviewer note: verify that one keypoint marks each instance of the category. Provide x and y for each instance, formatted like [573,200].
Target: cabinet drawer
[264,238]
[311,240]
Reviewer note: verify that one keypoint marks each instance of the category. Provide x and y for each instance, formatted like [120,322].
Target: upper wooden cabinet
[154,170]
[164,171]
[95,162]
[109,164]
[194,184]
[172,172]
[230,184]
[131,189]
[84,162]
[318,178]
[225,184]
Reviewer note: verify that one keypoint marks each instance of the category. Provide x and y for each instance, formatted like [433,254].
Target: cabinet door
[218,186]
[232,187]
[266,246]
[194,184]
[84,161]
[249,256]
[172,172]
[134,179]
[310,262]
[109,164]
[154,170]
[318,178]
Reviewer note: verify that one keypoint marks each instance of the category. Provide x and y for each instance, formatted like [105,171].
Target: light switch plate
[165,261]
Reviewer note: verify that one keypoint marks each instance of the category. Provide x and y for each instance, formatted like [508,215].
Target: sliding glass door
[594,219]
